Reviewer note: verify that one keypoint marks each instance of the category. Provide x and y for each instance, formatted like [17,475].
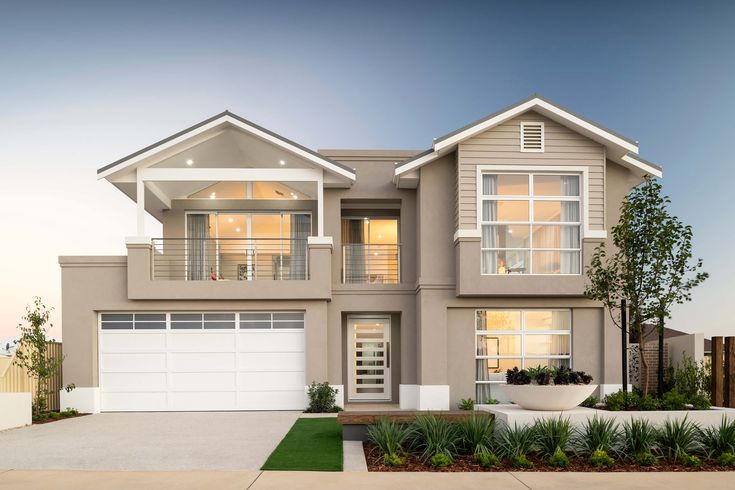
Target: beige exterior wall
[501,146]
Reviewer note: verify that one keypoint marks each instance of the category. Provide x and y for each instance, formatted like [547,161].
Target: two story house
[404,277]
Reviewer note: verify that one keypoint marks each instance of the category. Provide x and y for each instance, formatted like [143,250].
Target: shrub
[393,460]
[559,459]
[691,461]
[540,374]
[54,415]
[598,434]
[434,435]
[466,404]
[718,440]
[727,459]
[699,402]
[600,459]
[645,459]
[440,460]
[477,433]
[70,412]
[639,437]
[590,402]
[516,377]
[516,441]
[677,438]
[616,401]
[565,376]
[673,400]
[520,461]
[322,398]
[389,436]
[487,460]
[492,401]
[648,402]
[691,379]
[552,435]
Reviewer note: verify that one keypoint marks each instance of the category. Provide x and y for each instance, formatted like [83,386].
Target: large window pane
[506,236]
[498,345]
[494,369]
[547,345]
[512,211]
[498,320]
[556,185]
[564,211]
[505,262]
[556,262]
[505,185]
[548,320]
[555,236]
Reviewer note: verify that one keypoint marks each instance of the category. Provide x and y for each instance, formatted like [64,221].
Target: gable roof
[229,118]
[625,150]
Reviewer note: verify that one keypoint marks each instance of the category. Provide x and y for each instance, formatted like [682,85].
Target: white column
[320,204]
[140,198]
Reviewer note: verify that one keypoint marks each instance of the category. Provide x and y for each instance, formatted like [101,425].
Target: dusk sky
[83,84]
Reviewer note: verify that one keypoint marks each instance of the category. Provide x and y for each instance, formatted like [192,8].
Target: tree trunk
[660,390]
[624,347]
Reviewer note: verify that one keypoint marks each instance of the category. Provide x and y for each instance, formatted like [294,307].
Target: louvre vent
[532,136]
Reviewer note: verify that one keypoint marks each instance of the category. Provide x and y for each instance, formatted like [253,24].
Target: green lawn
[310,445]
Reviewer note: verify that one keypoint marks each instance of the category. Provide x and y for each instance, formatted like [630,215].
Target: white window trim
[522,332]
[543,133]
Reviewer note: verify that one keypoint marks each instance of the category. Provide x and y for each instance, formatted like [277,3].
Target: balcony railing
[230,259]
[371,264]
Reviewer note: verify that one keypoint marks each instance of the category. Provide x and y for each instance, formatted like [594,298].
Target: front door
[369,358]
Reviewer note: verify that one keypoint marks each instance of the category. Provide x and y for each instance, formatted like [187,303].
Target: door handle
[387,355]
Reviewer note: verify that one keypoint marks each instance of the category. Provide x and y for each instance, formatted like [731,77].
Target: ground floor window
[518,337]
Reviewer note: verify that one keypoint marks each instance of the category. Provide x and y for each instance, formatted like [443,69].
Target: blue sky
[84,83]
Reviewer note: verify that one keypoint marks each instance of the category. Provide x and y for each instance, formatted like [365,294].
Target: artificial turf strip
[311,445]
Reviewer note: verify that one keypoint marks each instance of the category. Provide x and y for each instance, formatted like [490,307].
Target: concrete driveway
[148,441]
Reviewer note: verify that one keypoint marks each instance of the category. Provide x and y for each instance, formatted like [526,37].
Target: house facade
[404,277]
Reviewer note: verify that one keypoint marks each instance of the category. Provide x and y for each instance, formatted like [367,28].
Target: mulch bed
[465,463]
[49,420]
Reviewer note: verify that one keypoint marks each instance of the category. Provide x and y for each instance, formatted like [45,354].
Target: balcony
[230,259]
[364,263]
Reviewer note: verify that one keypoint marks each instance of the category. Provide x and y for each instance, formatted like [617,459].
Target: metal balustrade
[371,264]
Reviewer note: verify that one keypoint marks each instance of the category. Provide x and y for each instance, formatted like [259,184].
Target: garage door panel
[200,341]
[134,381]
[133,362]
[203,381]
[272,340]
[275,361]
[215,400]
[273,381]
[200,361]
[273,400]
[133,341]
[113,402]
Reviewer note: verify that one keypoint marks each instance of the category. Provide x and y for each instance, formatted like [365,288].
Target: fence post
[729,372]
[716,366]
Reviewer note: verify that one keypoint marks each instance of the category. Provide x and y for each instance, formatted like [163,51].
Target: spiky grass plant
[639,439]
[552,435]
[718,440]
[390,437]
[477,434]
[598,434]
[432,435]
[678,438]
[516,442]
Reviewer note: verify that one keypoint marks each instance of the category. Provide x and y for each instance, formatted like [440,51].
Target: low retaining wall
[513,414]
[15,410]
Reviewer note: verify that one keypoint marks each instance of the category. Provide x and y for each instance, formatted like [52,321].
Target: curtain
[569,261]
[353,237]
[489,213]
[197,230]
[300,230]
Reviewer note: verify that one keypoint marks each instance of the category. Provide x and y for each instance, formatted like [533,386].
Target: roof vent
[532,136]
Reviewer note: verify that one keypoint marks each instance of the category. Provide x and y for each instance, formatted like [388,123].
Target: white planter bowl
[548,397]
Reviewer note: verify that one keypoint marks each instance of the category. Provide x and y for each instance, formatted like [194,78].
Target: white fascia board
[642,165]
[230,174]
[417,163]
[526,106]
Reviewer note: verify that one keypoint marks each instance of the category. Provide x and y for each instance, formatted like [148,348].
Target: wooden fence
[14,378]
[723,372]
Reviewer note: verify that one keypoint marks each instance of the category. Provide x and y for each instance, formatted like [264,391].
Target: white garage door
[202,361]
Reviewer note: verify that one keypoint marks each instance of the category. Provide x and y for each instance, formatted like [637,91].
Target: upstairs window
[532,136]
[531,223]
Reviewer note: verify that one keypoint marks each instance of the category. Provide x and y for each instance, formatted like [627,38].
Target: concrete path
[256,480]
[147,441]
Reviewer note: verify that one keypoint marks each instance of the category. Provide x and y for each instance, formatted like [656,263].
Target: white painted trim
[595,234]
[319,240]
[156,191]
[227,119]
[231,174]
[417,163]
[529,105]
[532,123]
[464,233]
[352,386]
[608,388]
[86,400]
[138,240]
[140,203]
[424,397]
[630,159]
[320,204]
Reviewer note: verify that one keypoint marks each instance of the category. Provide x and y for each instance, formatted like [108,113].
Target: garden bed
[466,463]
[46,417]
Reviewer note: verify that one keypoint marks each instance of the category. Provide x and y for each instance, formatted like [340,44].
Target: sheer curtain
[353,237]
[197,230]
[300,229]
[489,213]
[570,234]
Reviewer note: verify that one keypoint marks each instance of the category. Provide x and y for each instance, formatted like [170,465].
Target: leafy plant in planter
[600,459]
[476,434]
[590,402]
[540,374]
[673,400]
[515,443]
[552,435]
[432,435]
[727,459]
[678,438]
[718,440]
[322,398]
[466,404]
[598,434]
[440,460]
[390,438]
[487,460]
[559,459]
[639,441]
[517,377]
